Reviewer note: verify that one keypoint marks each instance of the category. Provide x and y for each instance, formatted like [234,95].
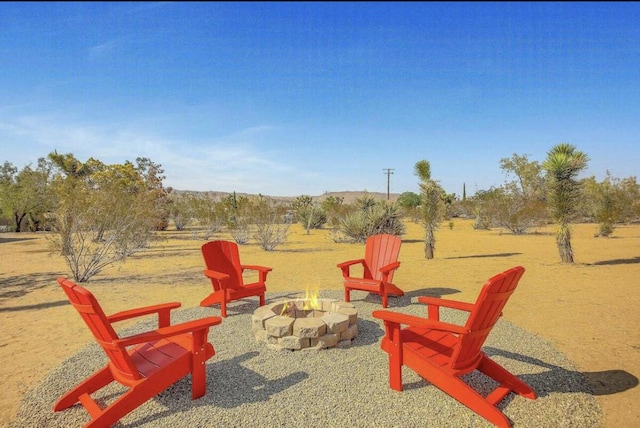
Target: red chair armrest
[454,304]
[258,268]
[346,265]
[262,270]
[162,310]
[388,268]
[174,330]
[414,321]
[215,275]
[350,262]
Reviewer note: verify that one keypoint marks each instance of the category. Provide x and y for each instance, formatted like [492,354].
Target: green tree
[485,204]
[210,215]
[630,190]
[522,201]
[152,174]
[104,214]
[609,202]
[180,209]
[25,195]
[409,203]
[563,164]
[11,203]
[432,205]
[409,200]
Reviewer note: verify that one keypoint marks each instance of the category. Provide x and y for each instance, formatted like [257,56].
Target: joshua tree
[562,165]
[431,205]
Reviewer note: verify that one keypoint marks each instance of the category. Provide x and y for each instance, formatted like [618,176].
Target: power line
[388,171]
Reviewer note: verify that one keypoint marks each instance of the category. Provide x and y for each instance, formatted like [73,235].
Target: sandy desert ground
[589,310]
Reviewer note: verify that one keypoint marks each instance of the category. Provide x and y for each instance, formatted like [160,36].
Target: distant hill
[348,196]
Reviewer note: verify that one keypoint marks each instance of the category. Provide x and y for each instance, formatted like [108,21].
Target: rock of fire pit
[309,327]
[279,326]
[336,323]
[305,324]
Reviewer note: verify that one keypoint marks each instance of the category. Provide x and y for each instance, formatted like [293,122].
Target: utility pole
[388,171]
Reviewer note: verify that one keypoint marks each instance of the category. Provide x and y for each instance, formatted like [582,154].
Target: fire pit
[308,323]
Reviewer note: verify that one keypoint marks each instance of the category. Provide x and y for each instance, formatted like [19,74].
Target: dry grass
[589,310]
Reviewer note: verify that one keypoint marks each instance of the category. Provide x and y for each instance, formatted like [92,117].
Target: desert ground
[588,310]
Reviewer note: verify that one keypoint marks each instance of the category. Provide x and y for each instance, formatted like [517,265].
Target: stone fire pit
[305,324]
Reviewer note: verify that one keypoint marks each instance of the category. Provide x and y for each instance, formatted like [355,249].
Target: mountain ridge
[348,196]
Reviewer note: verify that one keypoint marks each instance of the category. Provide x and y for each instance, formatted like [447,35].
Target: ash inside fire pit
[306,324]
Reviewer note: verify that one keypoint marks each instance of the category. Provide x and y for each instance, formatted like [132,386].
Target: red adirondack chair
[225,271]
[441,352]
[158,359]
[378,266]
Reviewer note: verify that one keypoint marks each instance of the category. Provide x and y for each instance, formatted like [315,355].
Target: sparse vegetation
[308,213]
[563,164]
[104,213]
[271,230]
[370,217]
[432,206]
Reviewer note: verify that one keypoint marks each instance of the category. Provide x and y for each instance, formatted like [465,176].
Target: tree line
[100,214]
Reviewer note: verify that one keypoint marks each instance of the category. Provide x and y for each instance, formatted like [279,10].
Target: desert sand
[588,311]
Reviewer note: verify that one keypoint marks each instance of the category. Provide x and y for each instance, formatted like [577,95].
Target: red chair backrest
[488,308]
[381,250]
[93,315]
[223,256]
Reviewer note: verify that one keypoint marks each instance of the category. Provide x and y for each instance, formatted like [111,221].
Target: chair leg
[223,309]
[212,299]
[396,355]
[466,395]
[98,380]
[461,391]
[347,295]
[262,300]
[505,378]
[385,299]
[131,400]
[198,370]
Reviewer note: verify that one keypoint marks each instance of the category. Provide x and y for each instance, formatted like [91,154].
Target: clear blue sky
[286,99]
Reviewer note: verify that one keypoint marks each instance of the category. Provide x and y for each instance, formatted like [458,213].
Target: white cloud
[105,50]
[233,162]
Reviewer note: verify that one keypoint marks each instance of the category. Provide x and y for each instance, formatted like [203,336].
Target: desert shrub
[240,229]
[181,209]
[370,218]
[270,228]
[101,221]
[308,213]
[312,217]
[209,214]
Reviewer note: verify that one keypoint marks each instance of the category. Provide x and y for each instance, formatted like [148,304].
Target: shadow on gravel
[229,385]
[559,379]
[401,301]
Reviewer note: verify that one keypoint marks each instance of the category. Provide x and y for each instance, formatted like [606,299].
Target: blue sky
[286,99]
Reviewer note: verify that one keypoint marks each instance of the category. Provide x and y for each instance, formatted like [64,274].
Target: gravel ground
[249,385]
